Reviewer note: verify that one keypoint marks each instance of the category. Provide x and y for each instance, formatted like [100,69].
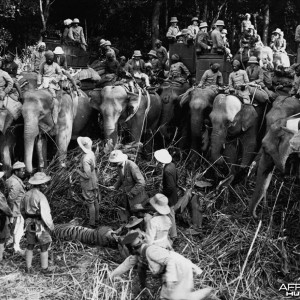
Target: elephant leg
[263,179]
[136,126]
[5,152]
[42,151]
[63,139]
[197,213]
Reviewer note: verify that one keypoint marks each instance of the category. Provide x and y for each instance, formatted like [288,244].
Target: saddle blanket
[13,107]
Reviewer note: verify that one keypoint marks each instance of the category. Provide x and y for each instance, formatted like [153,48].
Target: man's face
[235,67]
[122,62]
[195,23]
[42,48]
[43,187]
[174,24]
[9,58]
[75,25]
[252,65]
[204,29]
[49,61]
[20,173]
[158,45]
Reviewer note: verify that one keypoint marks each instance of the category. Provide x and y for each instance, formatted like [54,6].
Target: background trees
[131,24]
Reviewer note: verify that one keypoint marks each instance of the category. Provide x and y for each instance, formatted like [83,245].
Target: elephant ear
[95,98]
[133,104]
[247,115]
[186,97]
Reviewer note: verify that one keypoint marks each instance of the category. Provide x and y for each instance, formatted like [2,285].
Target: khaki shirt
[157,231]
[50,70]
[237,78]
[255,74]
[218,42]
[37,58]
[76,34]
[178,70]
[6,82]
[16,192]
[88,167]
[210,78]
[36,203]
[172,32]
[193,29]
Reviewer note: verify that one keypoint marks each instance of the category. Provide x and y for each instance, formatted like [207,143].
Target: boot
[28,257]
[44,260]
[1,251]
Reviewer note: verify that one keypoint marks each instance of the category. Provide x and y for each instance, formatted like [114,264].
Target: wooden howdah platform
[76,57]
[197,65]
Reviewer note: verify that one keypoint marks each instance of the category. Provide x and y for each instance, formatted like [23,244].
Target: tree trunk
[44,12]
[204,14]
[155,21]
[266,22]
[197,8]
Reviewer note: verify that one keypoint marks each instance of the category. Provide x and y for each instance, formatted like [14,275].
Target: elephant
[234,123]
[282,107]
[281,59]
[278,144]
[116,104]
[172,113]
[74,115]
[200,105]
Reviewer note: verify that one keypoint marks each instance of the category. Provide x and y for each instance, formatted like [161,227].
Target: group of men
[27,211]
[73,34]
[150,236]
[214,42]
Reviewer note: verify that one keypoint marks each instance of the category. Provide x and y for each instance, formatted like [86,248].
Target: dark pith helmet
[215,67]
[49,54]
[236,63]
[175,57]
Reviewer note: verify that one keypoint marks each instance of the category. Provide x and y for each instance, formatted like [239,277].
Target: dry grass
[222,250]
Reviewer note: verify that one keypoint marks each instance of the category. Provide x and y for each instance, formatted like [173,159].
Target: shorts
[33,239]
[90,196]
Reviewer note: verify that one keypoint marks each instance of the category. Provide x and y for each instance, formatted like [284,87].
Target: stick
[248,254]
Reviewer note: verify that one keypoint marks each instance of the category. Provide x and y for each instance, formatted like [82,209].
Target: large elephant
[171,113]
[234,124]
[282,107]
[200,105]
[115,105]
[277,146]
[74,114]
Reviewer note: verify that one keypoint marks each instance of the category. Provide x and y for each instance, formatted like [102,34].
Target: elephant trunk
[218,139]
[110,130]
[196,129]
[31,130]
[263,179]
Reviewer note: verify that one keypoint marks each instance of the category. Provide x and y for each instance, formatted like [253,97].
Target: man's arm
[185,69]
[220,81]
[82,38]
[13,192]
[150,231]
[246,78]
[9,82]
[125,266]
[219,40]
[199,41]
[203,79]
[138,178]
[70,34]
[169,32]
[165,55]
[230,82]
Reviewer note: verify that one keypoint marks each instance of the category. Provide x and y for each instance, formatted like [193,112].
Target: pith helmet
[173,20]
[203,24]
[253,60]
[220,23]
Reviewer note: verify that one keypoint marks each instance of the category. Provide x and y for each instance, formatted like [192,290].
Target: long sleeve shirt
[193,29]
[238,78]
[157,231]
[76,34]
[6,82]
[16,192]
[37,58]
[210,78]
[255,74]
[50,70]
[88,168]
[202,39]
[35,203]
[172,32]
[162,54]
[178,70]
[217,40]
[174,266]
